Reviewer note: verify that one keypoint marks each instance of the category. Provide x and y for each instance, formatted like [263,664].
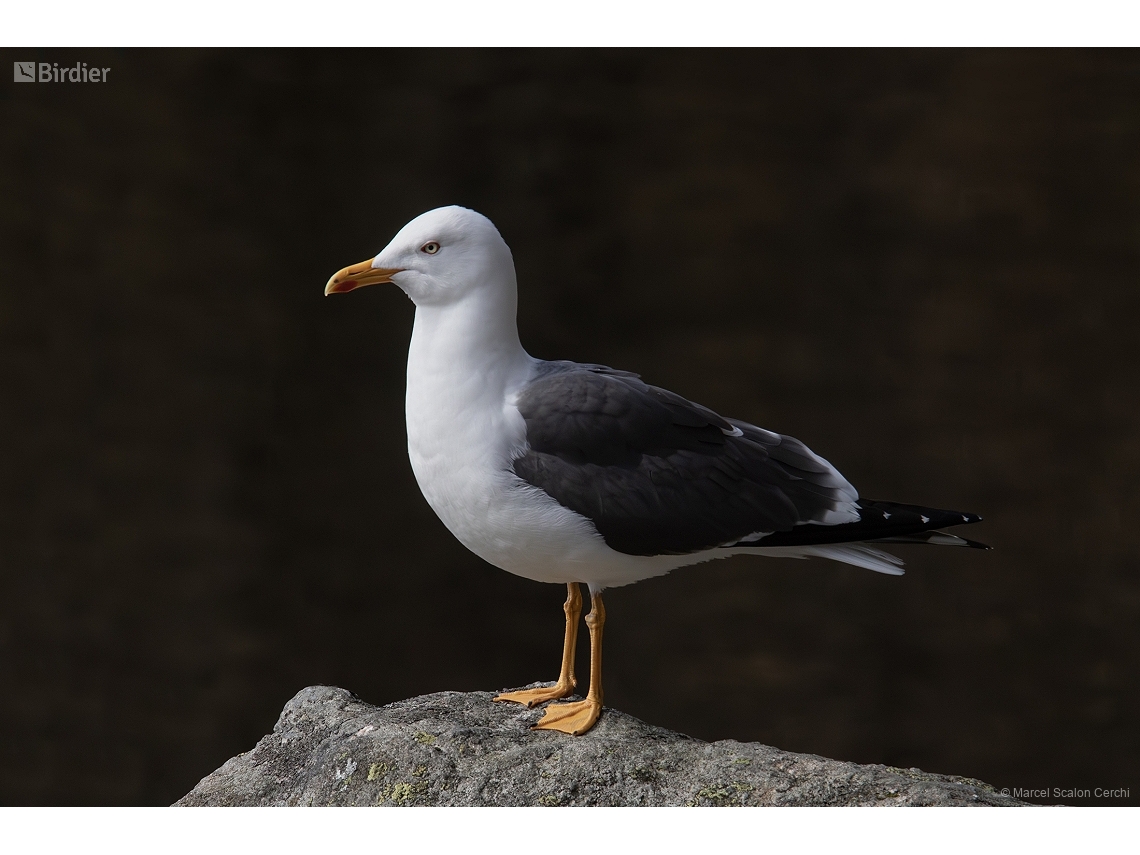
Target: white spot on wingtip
[925,519]
[886,515]
[965,518]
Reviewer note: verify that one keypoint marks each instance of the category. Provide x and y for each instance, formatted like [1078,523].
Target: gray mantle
[459,748]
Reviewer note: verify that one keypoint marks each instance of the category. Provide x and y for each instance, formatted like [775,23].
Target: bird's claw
[573,718]
[531,698]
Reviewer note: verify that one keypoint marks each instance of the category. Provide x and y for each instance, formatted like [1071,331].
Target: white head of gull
[577,473]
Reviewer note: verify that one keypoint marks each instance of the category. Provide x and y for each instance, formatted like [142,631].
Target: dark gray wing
[658,474]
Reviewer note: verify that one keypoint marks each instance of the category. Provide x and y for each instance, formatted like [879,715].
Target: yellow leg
[566,680]
[578,717]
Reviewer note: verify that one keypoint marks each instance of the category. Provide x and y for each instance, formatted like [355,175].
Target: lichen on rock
[459,748]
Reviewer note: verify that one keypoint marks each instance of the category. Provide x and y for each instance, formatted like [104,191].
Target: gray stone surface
[455,748]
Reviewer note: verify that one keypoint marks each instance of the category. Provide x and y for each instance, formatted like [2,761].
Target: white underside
[464,431]
[521,529]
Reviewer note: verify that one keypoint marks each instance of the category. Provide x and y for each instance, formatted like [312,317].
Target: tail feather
[880,522]
[935,538]
[857,554]
[854,542]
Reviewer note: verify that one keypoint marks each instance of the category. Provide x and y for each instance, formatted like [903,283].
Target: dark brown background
[924,264]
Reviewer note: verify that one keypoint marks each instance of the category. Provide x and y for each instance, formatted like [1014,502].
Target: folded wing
[658,474]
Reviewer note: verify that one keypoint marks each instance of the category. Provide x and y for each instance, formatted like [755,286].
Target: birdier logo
[50,72]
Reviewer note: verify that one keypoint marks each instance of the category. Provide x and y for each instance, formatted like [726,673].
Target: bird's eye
[431,247]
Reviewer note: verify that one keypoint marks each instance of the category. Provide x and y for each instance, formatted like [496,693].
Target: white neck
[464,365]
[470,347]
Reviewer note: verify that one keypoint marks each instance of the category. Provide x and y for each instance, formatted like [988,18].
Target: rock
[456,748]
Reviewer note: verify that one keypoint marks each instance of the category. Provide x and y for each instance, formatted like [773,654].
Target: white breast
[461,442]
[464,432]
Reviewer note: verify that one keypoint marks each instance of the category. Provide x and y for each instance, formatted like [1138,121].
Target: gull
[573,473]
